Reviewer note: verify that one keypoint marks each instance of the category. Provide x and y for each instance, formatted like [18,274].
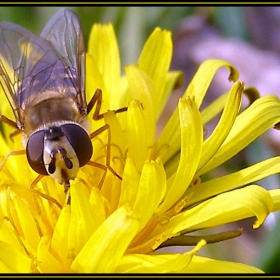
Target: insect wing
[64,32]
[32,65]
[19,52]
[27,63]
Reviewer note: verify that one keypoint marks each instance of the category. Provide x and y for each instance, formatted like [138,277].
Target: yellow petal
[94,80]
[157,263]
[265,113]
[10,236]
[215,140]
[197,88]
[191,147]
[168,142]
[82,221]
[27,223]
[155,61]
[13,260]
[130,183]
[46,262]
[59,241]
[174,81]
[16,166]
[206,265]
[275,195]
[116,138]
[141,88]
[225,208]
[152,187]
[218,104]
[235,180]
[5,148]
[107,244]
[137,140]
[98,205]
[103,47]
[203,77]
[208,113]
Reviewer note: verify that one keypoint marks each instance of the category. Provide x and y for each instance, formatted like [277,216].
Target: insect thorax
[53,111]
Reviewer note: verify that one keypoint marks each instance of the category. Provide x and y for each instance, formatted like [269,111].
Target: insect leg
[12,153]
[108,154]
[47,197]
[8,121]
[97,98]
[38,178]
[101,166]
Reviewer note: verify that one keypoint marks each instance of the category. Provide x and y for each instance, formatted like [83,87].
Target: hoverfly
[43,78]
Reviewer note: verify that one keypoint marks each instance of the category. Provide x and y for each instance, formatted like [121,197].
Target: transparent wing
[64,33]
[31,65]
[20,51]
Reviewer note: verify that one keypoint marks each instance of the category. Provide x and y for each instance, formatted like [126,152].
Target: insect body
[44,81]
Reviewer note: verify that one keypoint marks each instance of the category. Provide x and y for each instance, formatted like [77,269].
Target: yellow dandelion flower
[161,198]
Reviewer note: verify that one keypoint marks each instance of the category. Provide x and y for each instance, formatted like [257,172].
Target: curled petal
[204,75]
[264,111]
[215,140]
[191,147]
[275,195]
[213,109]
[247,202]
[218,104]
[197,89]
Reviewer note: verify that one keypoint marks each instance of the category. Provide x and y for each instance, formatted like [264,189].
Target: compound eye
[34,152]
[80,141]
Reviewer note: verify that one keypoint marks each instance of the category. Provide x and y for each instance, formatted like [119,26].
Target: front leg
[97,99]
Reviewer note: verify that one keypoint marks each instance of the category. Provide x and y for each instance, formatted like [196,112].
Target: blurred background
[246,36]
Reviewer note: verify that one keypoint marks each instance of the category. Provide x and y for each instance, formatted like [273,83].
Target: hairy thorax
[53,111]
